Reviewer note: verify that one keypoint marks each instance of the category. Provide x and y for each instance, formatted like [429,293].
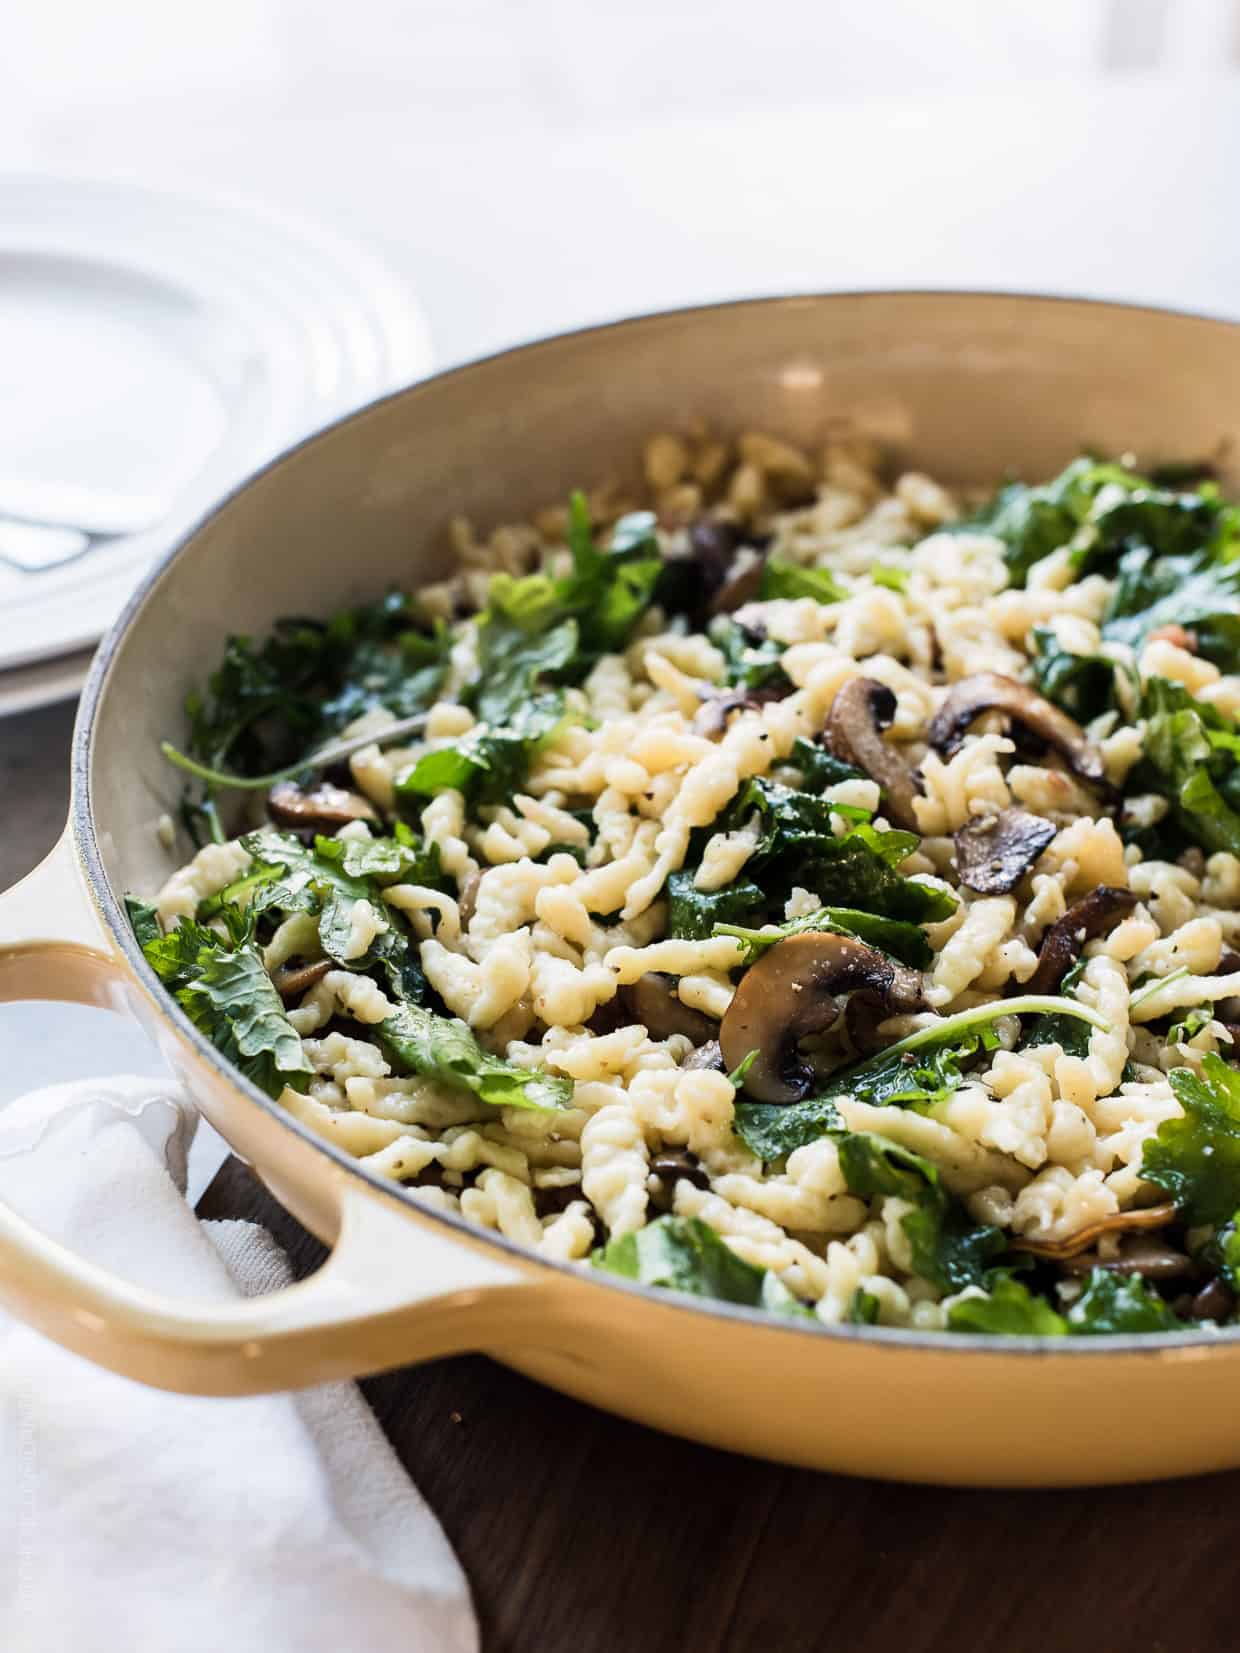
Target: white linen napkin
[143,1522]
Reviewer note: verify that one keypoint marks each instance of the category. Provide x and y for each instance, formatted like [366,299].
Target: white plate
[154,349]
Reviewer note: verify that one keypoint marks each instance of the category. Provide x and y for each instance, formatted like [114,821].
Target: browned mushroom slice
[1215,1301]
[325,807]
[1121,1222]
[739,588]
[713,543]
[707,1057]
[993,854]
[866,1010]
[292,983]
[667,1169]
[711,718]
[1143,1254]
[990,692]
[652,1000]
[787,995]
[859,713]
[1061,946]
[467,901]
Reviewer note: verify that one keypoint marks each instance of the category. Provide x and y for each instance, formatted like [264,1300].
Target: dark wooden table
[583,1534]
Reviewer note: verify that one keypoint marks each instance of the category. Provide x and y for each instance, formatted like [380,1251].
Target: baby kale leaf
[267,705]
[444,1048]
[143,921]
[488,764]
[948,1249]
[1198,592]
[820,768]
[773,1130]
[1082,684]
[695,914]
[790,580]
[231,999]
[1196,1158]
[1009,1309]
[1191,753]
[402,859]
[685,1254]
[903,941]
[1104,512]
[751,660]
[1033,522]
[1115,1303]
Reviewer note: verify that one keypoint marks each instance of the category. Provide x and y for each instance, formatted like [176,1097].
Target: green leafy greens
[1082,684]
[444,1048]
[797,846]
[1104,512]
[489,763]
[1115,1303]
[895,936]
[1109,1303]
[947,1249]
[789,579]
[751,661]
[267,706]
[685,1254]
[1196,1158]
[1192,757]
[537,633]
[221,984]
[231,999]
[1008,1309]
[697,914]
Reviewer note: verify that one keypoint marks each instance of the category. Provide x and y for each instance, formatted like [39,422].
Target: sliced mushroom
[549,1202]
[669,1168]
[990,692]
[866,1011]
[711,718]
[327,806]
[652,1000]
[713,543]
[467,901]
[787,995]
[291,984]
[1121,1222]
[740,587]
[1216,1301]
[1061,946]
[707,1057]
[1143,1254]
[859,713]
[993,854]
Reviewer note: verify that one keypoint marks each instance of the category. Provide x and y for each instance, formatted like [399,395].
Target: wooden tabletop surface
[581,1533]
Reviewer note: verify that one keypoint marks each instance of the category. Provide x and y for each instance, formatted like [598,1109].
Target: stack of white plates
[153,351]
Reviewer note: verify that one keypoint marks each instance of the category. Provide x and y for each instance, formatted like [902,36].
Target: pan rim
[1108,1346]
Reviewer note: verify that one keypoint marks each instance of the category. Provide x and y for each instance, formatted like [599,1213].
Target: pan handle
[52,941]
[392,1293]
[396,1289]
